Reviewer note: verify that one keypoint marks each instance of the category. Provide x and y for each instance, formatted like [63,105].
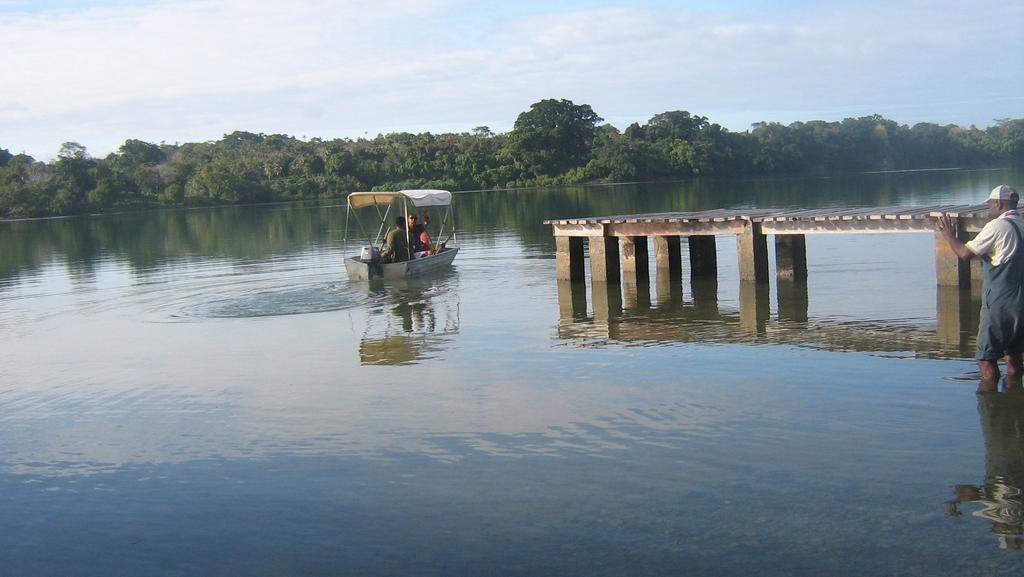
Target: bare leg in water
[1013,365]
[989,370]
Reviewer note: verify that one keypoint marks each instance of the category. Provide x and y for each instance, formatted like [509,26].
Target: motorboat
[369,264]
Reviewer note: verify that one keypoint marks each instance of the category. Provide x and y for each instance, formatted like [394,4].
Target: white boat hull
[359,270]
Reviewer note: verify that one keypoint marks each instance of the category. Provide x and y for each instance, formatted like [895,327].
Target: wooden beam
[882,226]
[791,256]
[635,260]
[703,256]
[604,259]
[752,249]
[587,229]
[669,228]
[569,258]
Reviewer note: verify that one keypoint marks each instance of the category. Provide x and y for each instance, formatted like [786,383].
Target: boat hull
[359,270]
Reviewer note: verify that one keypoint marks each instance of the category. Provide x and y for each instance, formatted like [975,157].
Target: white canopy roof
[418,198]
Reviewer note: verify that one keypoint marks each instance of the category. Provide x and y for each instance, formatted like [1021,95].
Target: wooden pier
[618,245]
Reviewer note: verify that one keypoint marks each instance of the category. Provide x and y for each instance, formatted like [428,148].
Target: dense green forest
[555,142]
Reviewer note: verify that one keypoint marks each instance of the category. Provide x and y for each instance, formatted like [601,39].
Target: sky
[99,72]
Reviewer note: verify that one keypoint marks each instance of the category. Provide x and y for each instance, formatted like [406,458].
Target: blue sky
[100,72]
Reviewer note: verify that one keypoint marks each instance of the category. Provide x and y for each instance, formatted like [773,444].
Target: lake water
[203,392]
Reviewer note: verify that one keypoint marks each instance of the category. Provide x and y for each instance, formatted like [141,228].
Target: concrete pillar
[957,314]
[705,298]
[752,249]
[669,258]
[636,296]
[977,274]
[572,300]
[754,306]
[569,258]
[607,299]
[604,259]
[949,269]
[703,256]
[791,256]
[635,262]
[792,299]
[669,292]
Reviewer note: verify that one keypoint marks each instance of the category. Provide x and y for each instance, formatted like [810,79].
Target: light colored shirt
[997,241]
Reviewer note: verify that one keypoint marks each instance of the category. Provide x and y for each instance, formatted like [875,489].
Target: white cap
[1002,192]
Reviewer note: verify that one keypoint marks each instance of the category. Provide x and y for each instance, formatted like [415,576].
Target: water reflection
[410,321]
[1000,498]
[627,314]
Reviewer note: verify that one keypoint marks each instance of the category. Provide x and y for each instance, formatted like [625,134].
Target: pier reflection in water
[412,320]
[627,313]
[1000,498]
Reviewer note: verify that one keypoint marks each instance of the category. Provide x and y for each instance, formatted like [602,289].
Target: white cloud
[193,70]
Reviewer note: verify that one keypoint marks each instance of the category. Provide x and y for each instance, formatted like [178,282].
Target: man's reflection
[1000,496]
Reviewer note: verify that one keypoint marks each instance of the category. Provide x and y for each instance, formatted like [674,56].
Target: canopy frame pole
[362,229]
[408,240]
[451,213]
[348,211]
[383,223]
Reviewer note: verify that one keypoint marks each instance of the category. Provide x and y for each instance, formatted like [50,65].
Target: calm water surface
[203,392]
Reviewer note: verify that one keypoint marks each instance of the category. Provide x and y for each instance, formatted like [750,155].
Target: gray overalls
[1002,306]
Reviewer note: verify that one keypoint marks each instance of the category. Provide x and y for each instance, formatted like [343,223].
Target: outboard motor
[369,254]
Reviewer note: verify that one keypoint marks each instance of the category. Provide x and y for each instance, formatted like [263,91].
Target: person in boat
[1000,245]
[425,244]
[419,240]
[396,243]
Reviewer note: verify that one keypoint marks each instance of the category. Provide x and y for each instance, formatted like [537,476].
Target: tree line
[554,142]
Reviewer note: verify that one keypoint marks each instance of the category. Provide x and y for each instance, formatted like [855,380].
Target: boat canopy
[418,198]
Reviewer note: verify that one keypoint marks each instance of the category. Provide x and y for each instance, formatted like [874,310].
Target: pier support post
[636,296]
[791,256]
[635,262]
[569,258]
[669,292]
[669,258]
[792,299]
[572,300]
[754,306]
[976,272]
[955,310]
[705,298]
[752,247]
[607,299]
[604,259]
[703,256]
[949,269]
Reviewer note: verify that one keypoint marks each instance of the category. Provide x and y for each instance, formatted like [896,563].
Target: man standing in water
[1000,245]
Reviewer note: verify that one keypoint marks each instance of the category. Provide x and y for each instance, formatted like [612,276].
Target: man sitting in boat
[396,243]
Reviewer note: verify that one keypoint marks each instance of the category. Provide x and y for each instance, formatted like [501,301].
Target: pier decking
[609,263]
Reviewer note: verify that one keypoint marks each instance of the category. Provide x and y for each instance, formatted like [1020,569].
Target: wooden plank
[878,226]
[675,228]
[578,230]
